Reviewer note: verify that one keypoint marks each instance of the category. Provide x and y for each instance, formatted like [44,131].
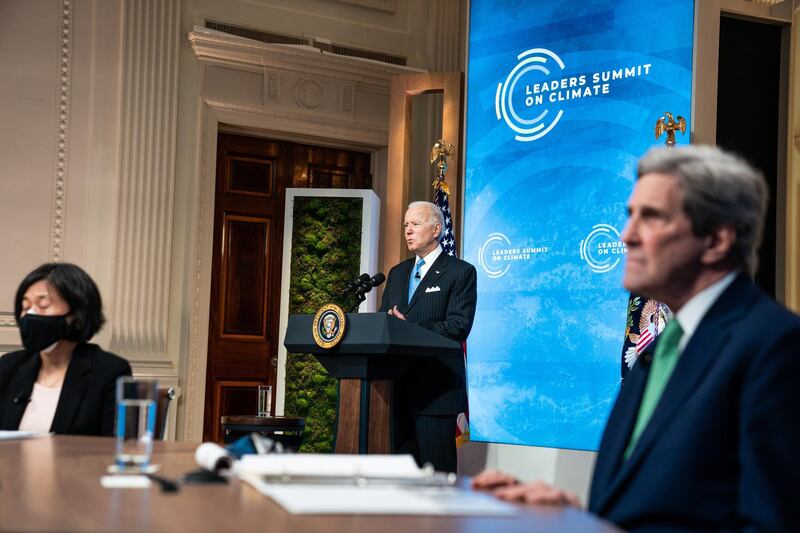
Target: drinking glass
[135,423]
[265,400]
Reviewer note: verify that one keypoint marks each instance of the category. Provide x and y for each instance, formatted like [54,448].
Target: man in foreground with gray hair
[705,432]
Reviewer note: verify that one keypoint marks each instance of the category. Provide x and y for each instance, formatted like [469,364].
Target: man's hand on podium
[395,313]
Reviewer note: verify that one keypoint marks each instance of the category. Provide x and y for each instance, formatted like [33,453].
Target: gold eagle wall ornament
[669,125]
[439,154]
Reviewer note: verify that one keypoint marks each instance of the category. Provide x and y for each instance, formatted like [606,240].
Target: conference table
[53,484]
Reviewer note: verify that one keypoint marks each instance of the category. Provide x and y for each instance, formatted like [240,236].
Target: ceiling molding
[216,47]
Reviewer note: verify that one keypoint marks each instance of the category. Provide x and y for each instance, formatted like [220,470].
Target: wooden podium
[376,349]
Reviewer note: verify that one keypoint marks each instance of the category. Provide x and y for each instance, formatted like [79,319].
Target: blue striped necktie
[415,279]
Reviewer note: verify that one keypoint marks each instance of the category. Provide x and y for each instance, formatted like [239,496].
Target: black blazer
[430,387]
[88,394]
[721,449]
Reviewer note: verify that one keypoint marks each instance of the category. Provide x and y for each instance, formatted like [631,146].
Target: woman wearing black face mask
[59,383]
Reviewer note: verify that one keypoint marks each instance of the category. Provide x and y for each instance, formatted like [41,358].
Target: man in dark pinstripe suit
[437,292]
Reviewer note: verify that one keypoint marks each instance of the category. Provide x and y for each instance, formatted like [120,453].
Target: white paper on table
[331,465]
[391,500]
[16,435]
[125,482]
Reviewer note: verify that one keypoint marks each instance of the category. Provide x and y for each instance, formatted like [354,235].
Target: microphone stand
[361,297]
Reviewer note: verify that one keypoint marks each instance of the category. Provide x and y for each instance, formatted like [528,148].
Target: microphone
[376,280]
[355,284]
[365,285]
[371,283]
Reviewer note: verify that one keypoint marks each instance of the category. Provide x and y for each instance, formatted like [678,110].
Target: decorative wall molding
[379,5]
[792,238]
[217,47]
[62,131]
[146,181]
[7,320]
[309,94]
[270,86]
[347,98]
[446,46]
[198,333]
[369,132]
[778,11]
[299,84]
[354,113]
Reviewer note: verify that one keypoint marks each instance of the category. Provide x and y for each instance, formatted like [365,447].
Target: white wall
[59,84]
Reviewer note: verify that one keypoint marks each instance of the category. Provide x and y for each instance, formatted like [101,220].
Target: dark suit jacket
[86,404]
[722,449]
[430,387]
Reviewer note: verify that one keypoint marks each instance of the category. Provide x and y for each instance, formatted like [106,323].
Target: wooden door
[243,339]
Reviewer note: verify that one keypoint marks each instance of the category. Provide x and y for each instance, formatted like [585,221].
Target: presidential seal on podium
[329,326]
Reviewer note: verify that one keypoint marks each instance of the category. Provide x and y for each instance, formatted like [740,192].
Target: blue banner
[562,99]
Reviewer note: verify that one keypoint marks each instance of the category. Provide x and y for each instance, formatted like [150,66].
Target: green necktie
[664,361]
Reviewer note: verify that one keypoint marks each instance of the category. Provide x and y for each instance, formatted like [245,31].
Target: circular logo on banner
[497,254]
[520,104]
[495,240]
[328,326]
[602,249]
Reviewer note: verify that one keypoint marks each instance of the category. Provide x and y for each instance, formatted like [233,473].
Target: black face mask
[39,332]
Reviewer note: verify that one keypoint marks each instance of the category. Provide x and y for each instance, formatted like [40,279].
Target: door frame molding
[364,88]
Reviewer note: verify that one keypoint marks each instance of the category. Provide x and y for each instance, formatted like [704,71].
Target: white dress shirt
[429,260]
[41,409]
[695,309]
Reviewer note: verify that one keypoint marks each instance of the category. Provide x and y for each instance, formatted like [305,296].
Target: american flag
[448,238]
[645,338]
[646,334]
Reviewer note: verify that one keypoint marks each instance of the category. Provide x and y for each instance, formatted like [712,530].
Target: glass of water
[265,400]
[135,424]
